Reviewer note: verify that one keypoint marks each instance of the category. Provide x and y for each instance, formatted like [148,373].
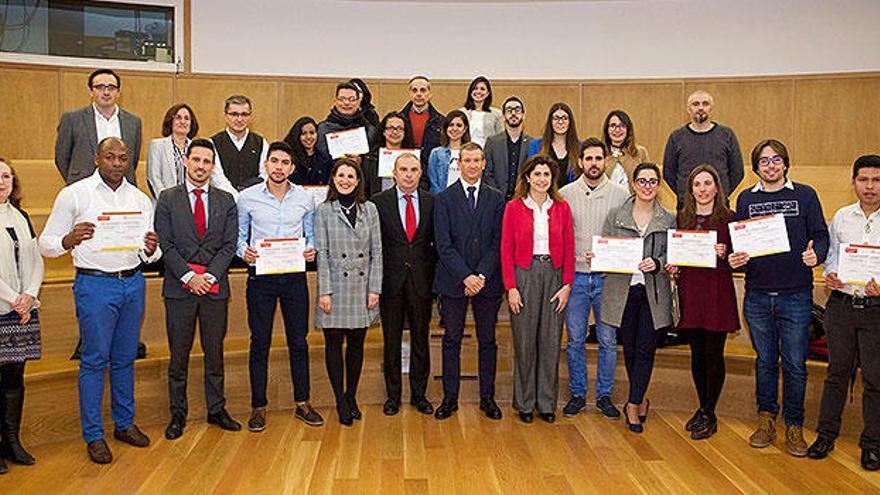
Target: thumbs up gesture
[809,256]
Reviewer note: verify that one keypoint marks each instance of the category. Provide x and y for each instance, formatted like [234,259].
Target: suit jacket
[176,226]
[162,173]
[468,243]
[496,172]
[400,257]
[77,143]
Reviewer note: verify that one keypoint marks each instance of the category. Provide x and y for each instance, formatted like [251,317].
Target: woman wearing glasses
[625,153]
[483,119]
[395,133]
[639,304]
[443,163]
[560,141]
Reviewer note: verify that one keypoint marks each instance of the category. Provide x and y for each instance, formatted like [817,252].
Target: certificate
[387,158]
[617,254]
[280,256]
[858,263]
[692,248]
[349,142]
[119,231]
[760,236]
[317,192]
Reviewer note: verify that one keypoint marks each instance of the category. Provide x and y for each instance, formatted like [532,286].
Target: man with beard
[590,198]
[346,114]
[702,141]
[506,151]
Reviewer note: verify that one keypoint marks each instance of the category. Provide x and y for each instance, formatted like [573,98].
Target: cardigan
[517,240]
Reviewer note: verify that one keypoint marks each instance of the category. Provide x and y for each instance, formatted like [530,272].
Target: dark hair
[522,178]
[414,78]
[571,139]
[864,161]
[510,99]
[333,193]
[646,166]
[471,146]
[280,146]
[465,138]
[202,143]
[593,142]
[15,194]
[238,100]
[469,101]
[300,155]
[98,72]
[687,217]
[409,140]
[168,120]
[629,142]
[348,85]
[776,146]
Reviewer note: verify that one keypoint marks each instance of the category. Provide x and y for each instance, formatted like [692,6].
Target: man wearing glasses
[506,151]
[240,152]
[80,130]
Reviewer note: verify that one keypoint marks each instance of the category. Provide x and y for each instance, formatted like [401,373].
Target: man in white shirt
[852,320]
[108,289]
[240,151]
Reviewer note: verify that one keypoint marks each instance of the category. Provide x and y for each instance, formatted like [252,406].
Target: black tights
[12,376]
[350,367]
[707,366]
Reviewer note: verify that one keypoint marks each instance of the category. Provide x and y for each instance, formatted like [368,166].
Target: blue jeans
[779,327]
[586,293]
[109,311]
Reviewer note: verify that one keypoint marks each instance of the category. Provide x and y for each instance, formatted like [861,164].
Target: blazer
[518,243]
[468,243]
[438,168]
[496,172]
[77,143]
[162,173]
[180,243]
[349,264]
[493,122]
[401,258]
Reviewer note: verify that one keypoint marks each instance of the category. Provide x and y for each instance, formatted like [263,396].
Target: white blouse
[541,234]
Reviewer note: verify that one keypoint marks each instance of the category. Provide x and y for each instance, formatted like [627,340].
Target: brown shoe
[794,441]
[308,415]
[258,419]
[132,436]
[766,431]
[99,452]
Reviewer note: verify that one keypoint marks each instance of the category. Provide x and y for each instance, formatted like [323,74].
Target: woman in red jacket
[537,264]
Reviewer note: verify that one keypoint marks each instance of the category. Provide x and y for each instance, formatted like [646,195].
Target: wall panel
[207,94]
[30,105]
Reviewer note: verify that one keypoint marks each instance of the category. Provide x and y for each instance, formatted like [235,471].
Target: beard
[594,173]
[701,118]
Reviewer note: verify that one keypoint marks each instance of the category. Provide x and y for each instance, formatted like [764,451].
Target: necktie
[410,218]
[199,213]
[472,198]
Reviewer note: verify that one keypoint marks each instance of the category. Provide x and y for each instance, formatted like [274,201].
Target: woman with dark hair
[395,133]
[620,138]
[537,264]
[706,296]
[484,120]
[302,137]
[349,245]
[560,142]
[443,163]
[21,273]
[367,107]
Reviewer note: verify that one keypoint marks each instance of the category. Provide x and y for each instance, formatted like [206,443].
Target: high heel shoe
[633,427]
[644,418]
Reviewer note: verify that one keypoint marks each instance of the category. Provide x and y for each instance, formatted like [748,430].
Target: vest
[240,167]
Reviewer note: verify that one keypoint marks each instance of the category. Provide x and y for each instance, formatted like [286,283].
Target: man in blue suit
[467,234]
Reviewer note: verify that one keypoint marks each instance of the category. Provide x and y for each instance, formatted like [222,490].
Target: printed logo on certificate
[858,263]
[119,231]
[694,248]
[760,236]
[617,254]
[276,256]
[387,158]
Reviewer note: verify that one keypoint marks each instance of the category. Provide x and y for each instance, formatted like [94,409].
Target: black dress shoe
[391,407]
[871,458]
[447,407]
[490,408]
[175,428]
[548,417]
[820,448]
[353,408]
[422,405]
[526,417]
[224,420]
[344,413]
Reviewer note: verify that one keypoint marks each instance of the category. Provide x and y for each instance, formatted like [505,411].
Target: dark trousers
[853,337]
[264,293]
[639,341]
[180,322]
[394,308]
[12,376]
[344,373]
[485,315]
[707,366]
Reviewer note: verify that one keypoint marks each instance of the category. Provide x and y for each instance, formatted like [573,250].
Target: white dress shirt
[107,127]
[83,201]
[850,225]
[476,184]
[541,216]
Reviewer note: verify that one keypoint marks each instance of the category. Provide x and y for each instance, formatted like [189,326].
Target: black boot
[10,427]
[3,468]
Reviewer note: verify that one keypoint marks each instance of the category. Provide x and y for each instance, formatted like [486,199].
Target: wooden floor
[412,453]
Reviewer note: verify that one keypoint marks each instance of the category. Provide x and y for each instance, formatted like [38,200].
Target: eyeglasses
[767,160]
[560,118]
[617,126]
[347,99]
[105,87]
[237,115]
[648,182]
[514,110]
[395,128]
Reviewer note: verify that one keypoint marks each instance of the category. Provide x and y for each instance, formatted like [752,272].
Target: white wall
[537,39]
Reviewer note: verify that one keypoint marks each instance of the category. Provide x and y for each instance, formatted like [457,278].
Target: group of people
[474,210]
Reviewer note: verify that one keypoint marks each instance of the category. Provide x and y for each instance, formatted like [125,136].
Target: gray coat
[349,264]
[77,143]
[620,222]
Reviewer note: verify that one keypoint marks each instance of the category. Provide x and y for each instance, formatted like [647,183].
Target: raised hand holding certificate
[119,231]
[692,248]
[387,158]
[276,256]
[348,142]
[617,254]
[858,263]
[760,236]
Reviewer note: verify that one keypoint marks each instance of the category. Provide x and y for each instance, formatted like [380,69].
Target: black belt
[99,273]
[541,257]
[857,302]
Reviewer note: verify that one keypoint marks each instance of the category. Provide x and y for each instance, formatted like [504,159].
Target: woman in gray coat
[639,304]
[349,245]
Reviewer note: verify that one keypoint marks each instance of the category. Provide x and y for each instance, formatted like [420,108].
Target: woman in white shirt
[624,153]
[484,120]
[443,163]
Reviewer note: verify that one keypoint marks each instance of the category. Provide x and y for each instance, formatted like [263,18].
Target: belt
[98,273]
[541,257]
[857,302]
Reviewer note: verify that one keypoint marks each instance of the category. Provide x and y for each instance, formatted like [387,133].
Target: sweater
[589,207]
[517,240]
[687,148]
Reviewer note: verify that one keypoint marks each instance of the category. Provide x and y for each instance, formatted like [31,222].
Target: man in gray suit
[199,231]
[80,130]
[506,151]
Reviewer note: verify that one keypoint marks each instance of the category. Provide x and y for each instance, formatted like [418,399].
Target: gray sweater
[589,207]
[686,149]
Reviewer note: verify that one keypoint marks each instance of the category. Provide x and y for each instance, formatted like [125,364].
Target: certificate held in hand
[617,254]
[119,231]
[387,158]
[694,248]
[760,236]
[275,256]
[858,263]
[348,142]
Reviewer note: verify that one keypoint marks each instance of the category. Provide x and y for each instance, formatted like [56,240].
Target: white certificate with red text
[119,231]
[617,254]
[276,256]
[692,248]
[348,142]
[858,263]
[760,236]
[387,157]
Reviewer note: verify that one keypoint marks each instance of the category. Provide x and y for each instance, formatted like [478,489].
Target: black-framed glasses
[560,118]
[514,110]
[105,87]
[238,114]
[767,160]
[643,182]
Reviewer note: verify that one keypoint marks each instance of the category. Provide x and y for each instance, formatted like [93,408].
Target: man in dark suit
[198,231]
[424,119]
[80,130]
[467,230]
[506,151]
[408,260]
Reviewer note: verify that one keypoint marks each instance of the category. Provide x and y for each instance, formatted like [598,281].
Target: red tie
[410,218]
[199,213]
